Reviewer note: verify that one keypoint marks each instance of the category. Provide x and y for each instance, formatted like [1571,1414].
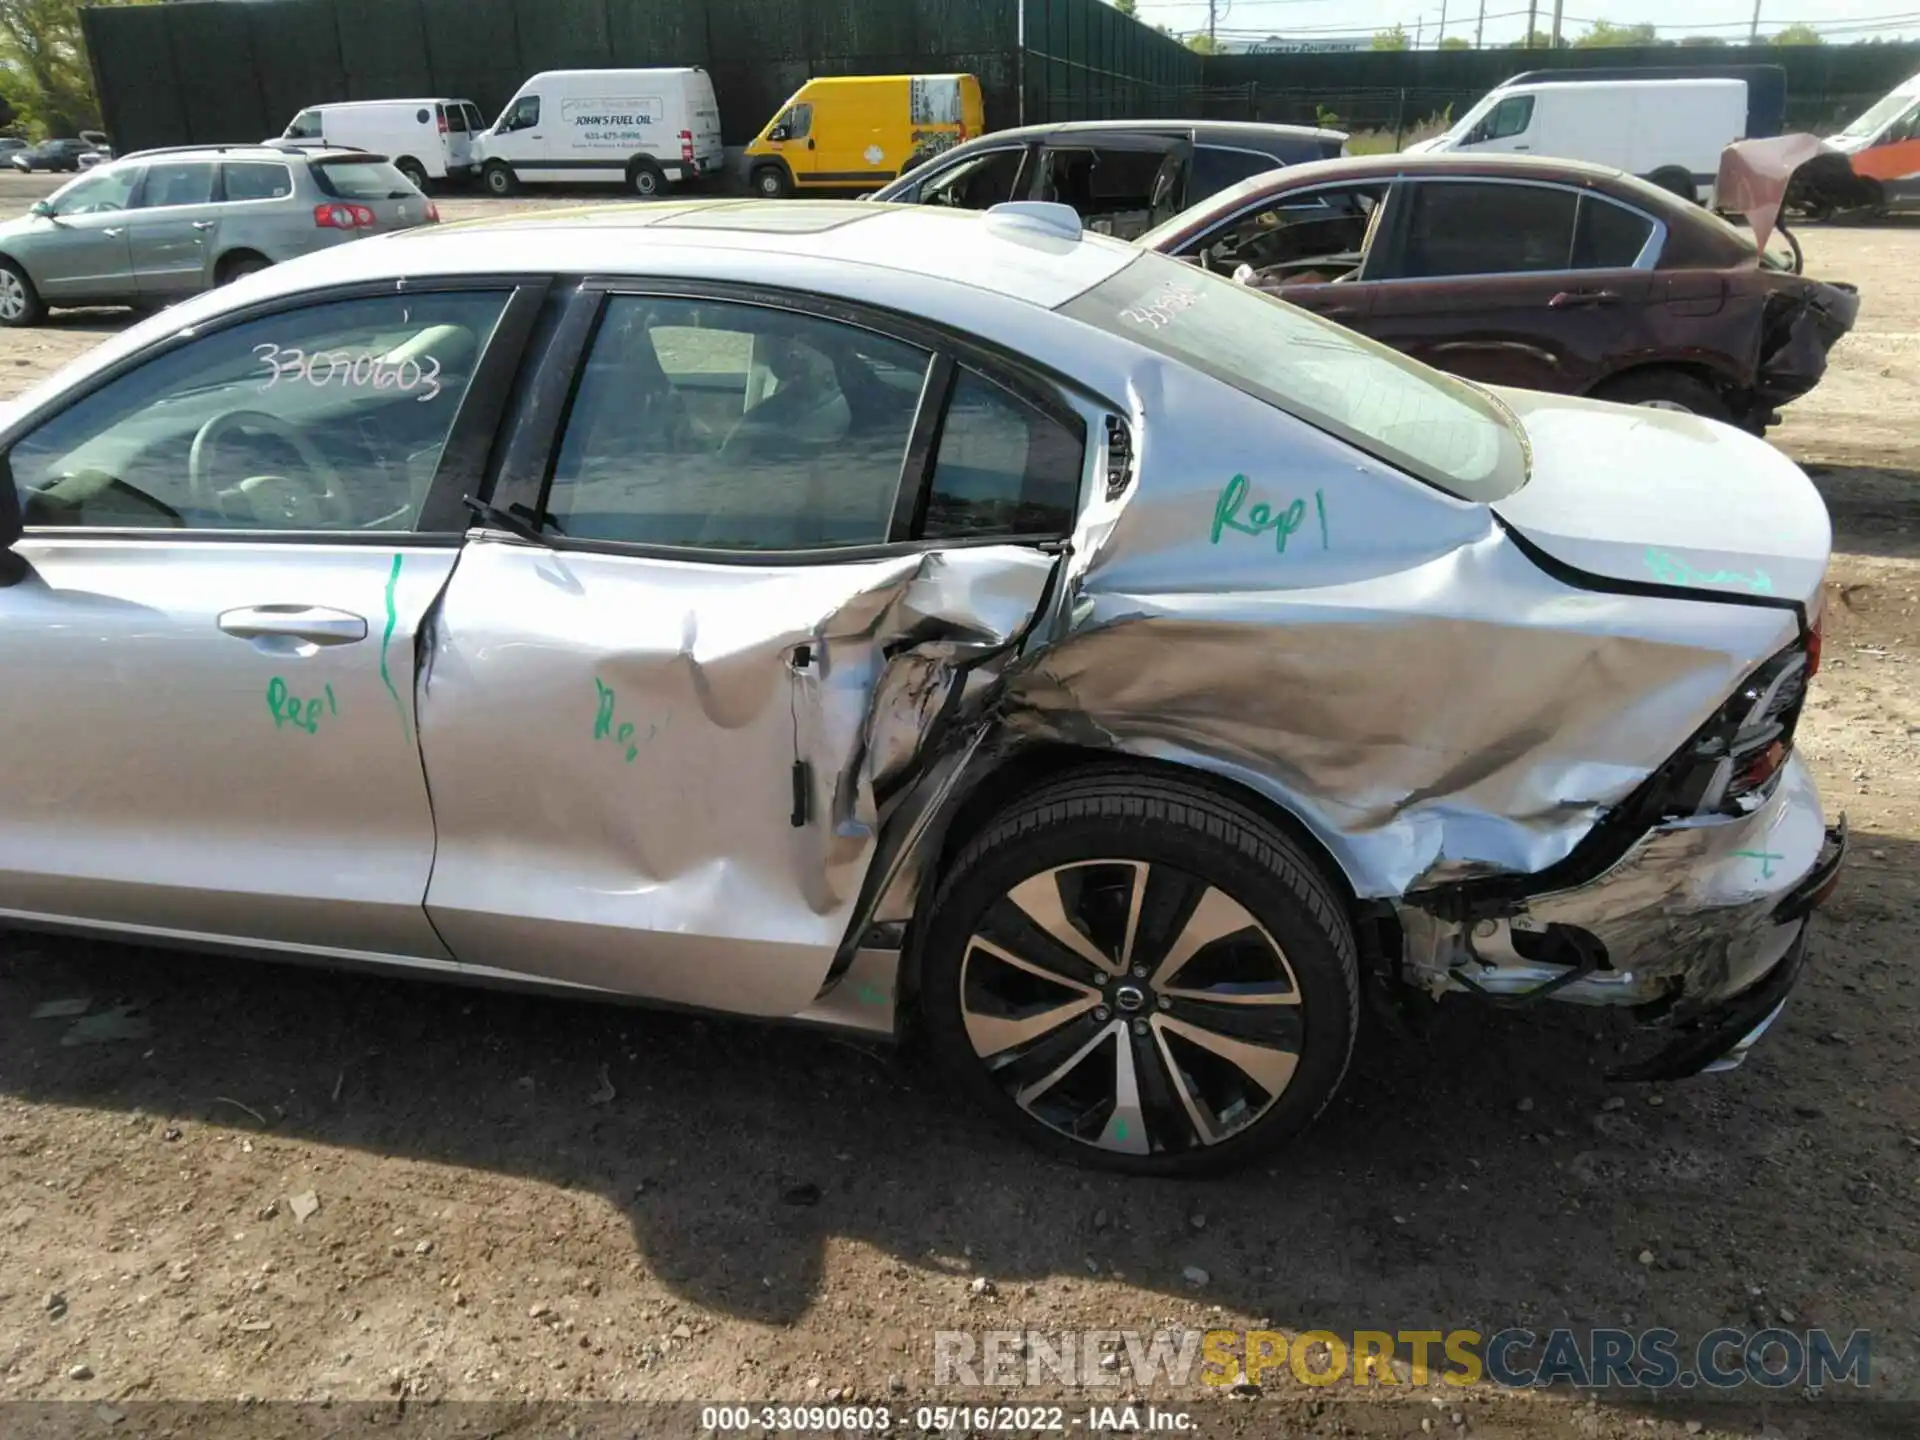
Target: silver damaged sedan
[923,623]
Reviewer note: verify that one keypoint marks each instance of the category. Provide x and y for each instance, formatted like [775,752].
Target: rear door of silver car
[761,544]
[174,228]
[233,541]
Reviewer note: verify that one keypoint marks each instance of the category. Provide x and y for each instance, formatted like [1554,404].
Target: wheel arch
[770,162]
[1018,772]
[1720,376]
[239,252]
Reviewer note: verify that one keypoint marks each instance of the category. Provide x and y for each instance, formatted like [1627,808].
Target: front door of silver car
[79,249]
[230,545]
[776,540]
[175,225]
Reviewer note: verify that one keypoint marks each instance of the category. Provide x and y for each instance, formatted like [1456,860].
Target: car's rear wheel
[770,182]
[20,302]
[415,172]
[1676,390]
[1140,975]
[646,179]
[243,262]
[498,178]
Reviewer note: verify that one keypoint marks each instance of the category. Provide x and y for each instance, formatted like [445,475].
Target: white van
[1668,131]
[427,140]
[638,128]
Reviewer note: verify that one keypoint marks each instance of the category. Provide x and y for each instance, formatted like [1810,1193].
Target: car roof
[1204,132]
[1000,252]
[251,152]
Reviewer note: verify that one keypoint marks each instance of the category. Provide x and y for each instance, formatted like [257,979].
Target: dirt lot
[785,1216]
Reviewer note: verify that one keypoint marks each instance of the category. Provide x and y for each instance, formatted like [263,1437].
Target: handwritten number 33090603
[341,367]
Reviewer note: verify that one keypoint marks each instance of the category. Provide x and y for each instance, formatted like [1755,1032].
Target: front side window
[305,126]
[1485,228]
[257,180]
[326,418]
[979,182]
[1436,428]
[1312,238]
[1510,117]
[523,114]
[177,182]
[798,122]
[100,193]
[1003,467]
[735,427]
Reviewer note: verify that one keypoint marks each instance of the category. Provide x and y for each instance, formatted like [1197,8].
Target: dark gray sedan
[164,224]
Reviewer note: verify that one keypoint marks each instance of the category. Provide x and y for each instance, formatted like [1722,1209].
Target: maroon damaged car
[1538,273]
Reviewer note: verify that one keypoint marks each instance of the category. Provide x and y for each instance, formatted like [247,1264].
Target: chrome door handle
[115,232]
[204,224]
[313,623]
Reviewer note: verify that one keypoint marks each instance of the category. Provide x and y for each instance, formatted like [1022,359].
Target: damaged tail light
[1730,763]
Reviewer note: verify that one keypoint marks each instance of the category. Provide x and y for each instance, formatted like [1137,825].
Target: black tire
[20,302]
[242,262]
[771,182]
[1081,841]
[1677,182]
[1668,390]
[646,179]
[498,178]
[415,172]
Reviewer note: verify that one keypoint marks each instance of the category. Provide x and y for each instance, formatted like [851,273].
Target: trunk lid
[1654,497]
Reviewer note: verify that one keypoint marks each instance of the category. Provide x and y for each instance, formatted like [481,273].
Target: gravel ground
[299,1185]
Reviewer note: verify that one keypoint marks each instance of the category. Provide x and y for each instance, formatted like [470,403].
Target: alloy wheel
[1132,1007]
[13,296]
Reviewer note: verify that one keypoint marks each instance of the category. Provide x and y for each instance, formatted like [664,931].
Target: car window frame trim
[525,478]
[500,382]
[1647,260]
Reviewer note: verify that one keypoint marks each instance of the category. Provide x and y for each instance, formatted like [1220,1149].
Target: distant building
[1281,45]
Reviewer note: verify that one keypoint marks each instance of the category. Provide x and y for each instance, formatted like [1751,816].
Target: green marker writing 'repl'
[1260,518]
[1675,571]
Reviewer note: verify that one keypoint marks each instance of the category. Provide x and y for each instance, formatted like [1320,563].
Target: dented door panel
[659,776]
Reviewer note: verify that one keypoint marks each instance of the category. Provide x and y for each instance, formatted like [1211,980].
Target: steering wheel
[278,501]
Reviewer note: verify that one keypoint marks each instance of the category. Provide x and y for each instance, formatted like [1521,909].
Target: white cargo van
[427,140]
[1669,131]
[637,128]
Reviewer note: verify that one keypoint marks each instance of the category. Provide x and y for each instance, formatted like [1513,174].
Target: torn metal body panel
[768,704]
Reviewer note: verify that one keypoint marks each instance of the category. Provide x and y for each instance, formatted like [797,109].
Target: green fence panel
[220,88]
[871,28]
[657,32]
[563,35]
[473,52]
[743,32]
[383,46]
[296,53]
[141,100]
[749,94]
[968,27]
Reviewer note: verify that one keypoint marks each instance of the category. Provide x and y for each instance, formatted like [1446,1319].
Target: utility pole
[1419,29]
[1533,13]
[1753,34]
[1480,25]
[1213,26]
[1441,33]
[1554,43]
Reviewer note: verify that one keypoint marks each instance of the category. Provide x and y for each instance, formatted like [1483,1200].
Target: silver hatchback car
[164,224]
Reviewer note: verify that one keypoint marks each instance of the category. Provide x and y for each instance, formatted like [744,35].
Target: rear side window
[1475,228]
[177,183]
[1215,169]
[1003,467]
[978,182]
[423,117]
[735,427]
[361,180]
[1608,236]
[257,180]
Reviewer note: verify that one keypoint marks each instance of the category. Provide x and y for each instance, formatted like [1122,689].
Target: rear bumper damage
[1700,929]
[1802,325]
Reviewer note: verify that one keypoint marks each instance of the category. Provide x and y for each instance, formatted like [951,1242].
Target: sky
[1839,20]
